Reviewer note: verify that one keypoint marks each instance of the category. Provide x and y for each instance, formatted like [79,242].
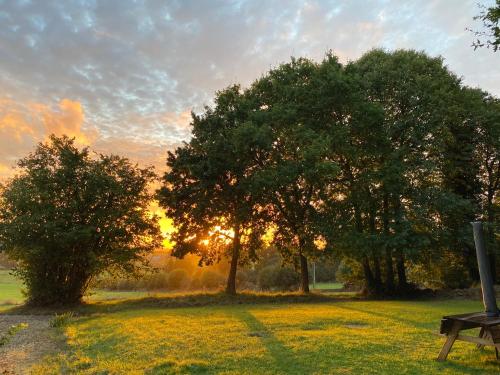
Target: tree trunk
[304,274]
[493,263]
[377,274]
[400,261]
[402,283]
[389,268]
[470,261]
[389,271]
[231,279]
[369,279]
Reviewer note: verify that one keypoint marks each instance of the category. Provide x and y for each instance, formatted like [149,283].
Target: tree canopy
[208,191]
[67,216]
[382,162]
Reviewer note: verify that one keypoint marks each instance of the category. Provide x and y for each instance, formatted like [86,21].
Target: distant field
[10,289]
[326,286]
[11,292]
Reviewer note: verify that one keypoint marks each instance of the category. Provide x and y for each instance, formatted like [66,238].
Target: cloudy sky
[123,76]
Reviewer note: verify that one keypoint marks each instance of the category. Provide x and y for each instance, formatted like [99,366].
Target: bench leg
[450,340]
[481,335]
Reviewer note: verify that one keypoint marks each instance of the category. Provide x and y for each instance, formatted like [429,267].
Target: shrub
[149,281]
[177,278]
[247,278]
[155,281]
[326,270]
[211,279]
[68,216]
[448,272]
[350,274]
[5,262]
[278,278]
[195,282]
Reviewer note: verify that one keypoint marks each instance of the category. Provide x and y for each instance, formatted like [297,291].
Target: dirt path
[26,346]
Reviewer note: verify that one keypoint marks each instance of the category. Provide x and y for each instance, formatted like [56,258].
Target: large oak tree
[208,189]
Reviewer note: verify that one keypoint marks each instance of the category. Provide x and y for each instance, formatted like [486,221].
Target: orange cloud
[68,120]
[5,172]
[181,120]
[13,123]
[22,125]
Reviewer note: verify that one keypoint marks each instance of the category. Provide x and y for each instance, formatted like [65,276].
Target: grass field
[233,336]
[346,337]
[326,286]
[10,289]
[11,292]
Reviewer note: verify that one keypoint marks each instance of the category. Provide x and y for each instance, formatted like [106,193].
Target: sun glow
[218,235]
[166,226]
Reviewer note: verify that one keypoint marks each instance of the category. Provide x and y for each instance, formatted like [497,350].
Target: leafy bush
[278,278]
[68,216]
[195,283]
[211,279]
[154,281]
[5,262]
[326,270]
[448,272]
[247,279]
[177,278]
[150,281]
[349,273]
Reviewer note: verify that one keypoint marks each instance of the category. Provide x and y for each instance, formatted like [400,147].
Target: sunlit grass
[351,337]
[10,289]
[11,292]
[326,286]
[141,332]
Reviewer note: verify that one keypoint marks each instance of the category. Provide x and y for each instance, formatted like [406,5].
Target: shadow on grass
[284,358]
[181,300]
[398,318]
[449,364]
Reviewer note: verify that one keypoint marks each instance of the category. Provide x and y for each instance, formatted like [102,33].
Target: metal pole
[483,263]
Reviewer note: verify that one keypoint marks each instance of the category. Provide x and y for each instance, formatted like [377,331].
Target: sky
[123,76]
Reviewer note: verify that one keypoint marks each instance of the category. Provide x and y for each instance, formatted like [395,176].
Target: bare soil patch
[26,346]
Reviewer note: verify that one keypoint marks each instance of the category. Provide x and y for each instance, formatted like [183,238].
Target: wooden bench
[453,325]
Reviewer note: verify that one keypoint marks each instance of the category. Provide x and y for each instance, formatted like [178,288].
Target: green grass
[326,286]
[137,333]
[11,292]
[10,289]
[342,337]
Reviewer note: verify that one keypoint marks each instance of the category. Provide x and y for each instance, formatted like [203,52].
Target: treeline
[379,164]
[382,162]
[172,274]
